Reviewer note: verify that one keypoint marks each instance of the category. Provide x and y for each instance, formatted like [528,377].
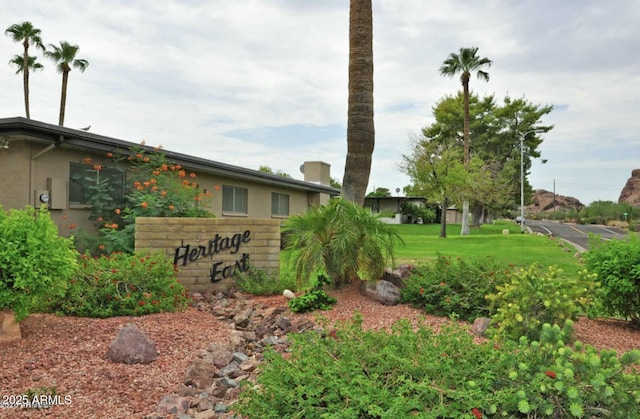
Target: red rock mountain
[631,191]
[543,201]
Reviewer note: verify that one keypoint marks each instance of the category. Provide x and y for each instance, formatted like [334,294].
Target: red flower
[550,374]
[475,412]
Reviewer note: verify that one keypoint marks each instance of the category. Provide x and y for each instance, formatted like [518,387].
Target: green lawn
[422,244]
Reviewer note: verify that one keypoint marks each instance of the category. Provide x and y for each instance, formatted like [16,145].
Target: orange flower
[163,193]
[101,246]
[197,198]
[146,159]
[421,291]
[217,187]
[72,226]
[178,167]
[182,173]
[171,207]
[153,181]
[139,155]
[87,160]
[99,219]
[114,225]
[164,167]
[185,183]
[475,412]
[136,184]
[118,211]
[155,188]
[109,155]
[97,167]
[156,172]
[192,175]
[144,205]
[64,217]
[146,184]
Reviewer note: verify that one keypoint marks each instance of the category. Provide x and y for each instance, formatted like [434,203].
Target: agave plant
[342,240]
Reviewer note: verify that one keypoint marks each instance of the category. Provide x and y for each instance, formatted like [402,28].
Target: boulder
[132,346]
[480,326]
[631,192]
[545,201]
[381,291]
[9,328]
[398,275]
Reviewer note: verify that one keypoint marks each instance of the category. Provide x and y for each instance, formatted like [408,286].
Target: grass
[422,244]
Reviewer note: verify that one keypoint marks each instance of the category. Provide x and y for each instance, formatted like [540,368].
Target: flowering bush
[458,287]
[124,285]
[348,372]
[155,188]
[533,297]
[35,262]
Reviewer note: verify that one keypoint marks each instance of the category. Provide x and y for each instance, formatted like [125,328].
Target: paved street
[577,234]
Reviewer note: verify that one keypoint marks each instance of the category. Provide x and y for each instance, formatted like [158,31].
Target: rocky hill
[543,201]
[631,191]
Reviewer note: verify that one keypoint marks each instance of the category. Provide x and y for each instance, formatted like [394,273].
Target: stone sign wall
[209,251]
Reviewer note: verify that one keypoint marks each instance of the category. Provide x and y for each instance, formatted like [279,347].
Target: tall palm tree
[360,128]
[464,63]
[28,35]
[65,57]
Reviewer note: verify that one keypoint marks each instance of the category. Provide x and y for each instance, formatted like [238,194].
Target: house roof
[58,136]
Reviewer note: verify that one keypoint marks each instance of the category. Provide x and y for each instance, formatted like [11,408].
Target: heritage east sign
[187,253]
[208,252]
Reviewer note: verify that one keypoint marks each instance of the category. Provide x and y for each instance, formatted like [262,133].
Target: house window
[234,199]
[85,181]
[279,204]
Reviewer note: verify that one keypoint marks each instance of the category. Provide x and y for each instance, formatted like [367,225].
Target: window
[279,204]
[234,199]
[85,181]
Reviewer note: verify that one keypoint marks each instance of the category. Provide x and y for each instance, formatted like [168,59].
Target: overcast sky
[264,82]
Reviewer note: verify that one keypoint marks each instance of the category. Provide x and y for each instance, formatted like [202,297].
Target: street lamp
[522,178]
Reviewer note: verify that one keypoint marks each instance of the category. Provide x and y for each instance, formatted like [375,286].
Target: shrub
[258,282]
[341,240]
[156,188]
[36,263]
[314,299]
[454,286]
[617,264]
[533,297]
[124,285]
[414,372]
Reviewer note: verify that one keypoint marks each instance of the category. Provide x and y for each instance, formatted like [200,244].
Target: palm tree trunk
[464,230]
[25,80]
[63,97]
[360,126]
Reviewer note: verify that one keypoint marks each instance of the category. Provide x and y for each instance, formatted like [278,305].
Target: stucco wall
[206,247]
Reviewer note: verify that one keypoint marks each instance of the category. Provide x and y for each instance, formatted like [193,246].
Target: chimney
[317,172]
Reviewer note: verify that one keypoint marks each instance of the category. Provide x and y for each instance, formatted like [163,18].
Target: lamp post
[522,178]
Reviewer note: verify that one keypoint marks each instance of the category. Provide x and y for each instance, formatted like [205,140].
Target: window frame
[235,208]
[75,187]
[279,196]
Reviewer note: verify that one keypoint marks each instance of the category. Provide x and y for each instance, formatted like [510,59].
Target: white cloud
[184,74]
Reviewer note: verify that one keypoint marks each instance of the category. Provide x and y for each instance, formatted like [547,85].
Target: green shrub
[341,240]
[124,285]
[533,297]
[414,372]
[454,286]
[617,264]
[36,263]
[314,299]
[258,282]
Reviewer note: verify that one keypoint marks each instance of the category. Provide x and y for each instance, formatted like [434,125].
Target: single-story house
[38,161]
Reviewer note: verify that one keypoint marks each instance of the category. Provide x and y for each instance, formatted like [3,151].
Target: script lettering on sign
[187,254]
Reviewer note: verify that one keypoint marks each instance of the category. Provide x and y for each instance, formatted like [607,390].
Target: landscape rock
[200,374]
[398,275]
[9,328]
[480,326]
[174,404]
[381,291]
[132,346]
[288,294]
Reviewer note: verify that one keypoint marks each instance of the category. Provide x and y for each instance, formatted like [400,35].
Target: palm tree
[28,35]
[464,63]
[360,128]
[65,57]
